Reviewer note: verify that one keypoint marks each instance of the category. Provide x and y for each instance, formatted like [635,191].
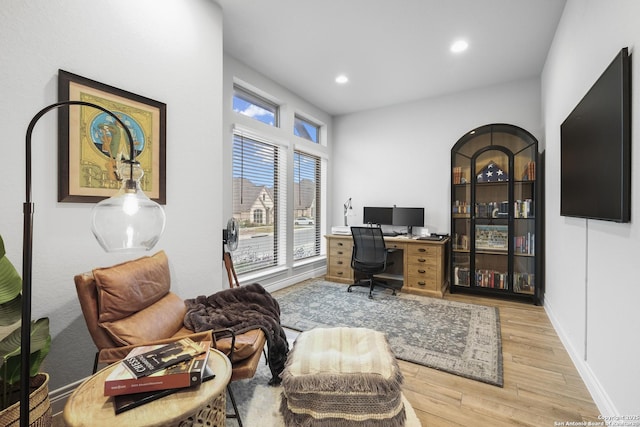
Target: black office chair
[369,257]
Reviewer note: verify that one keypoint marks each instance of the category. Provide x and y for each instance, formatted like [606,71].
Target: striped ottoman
[342,377]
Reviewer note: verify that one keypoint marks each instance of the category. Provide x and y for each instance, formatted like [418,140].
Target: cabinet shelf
[496,213]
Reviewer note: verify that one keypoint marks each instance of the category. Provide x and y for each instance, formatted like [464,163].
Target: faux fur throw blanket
[242,309]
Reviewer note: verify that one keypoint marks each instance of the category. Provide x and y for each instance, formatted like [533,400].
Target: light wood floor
[541,384]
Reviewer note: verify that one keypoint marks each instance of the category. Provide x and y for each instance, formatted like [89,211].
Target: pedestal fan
[230,244]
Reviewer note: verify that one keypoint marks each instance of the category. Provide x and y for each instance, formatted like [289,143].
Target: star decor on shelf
[492,173]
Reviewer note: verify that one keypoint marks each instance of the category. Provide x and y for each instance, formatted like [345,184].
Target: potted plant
[10,319]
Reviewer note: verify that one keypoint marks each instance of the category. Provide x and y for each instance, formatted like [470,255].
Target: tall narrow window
[254,106]
[306,129]
[306,205]
[256,202]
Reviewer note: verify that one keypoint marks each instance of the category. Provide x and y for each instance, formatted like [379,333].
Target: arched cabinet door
[495,213]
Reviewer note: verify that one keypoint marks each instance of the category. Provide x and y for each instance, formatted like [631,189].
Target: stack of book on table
[151,372]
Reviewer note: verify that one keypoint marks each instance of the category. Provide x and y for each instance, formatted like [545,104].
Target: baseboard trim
[58,397]
[599,395]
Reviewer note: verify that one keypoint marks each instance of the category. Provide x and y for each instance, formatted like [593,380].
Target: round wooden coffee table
[202,405]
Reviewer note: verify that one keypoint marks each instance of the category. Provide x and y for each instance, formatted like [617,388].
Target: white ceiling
[393,51]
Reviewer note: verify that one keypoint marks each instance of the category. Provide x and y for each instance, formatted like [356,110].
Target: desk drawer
[423,272]
[340,271]
[394,245]
[341,245]
[430,251]
[424,283]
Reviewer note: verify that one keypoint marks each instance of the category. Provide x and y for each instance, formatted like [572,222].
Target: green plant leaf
[10,349]
[10,281]
[11,312]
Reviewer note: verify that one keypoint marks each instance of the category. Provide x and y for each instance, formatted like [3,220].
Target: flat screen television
[595,149]
[375,215]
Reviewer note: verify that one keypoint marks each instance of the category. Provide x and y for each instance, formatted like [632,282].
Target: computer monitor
[376,215]
[408,217]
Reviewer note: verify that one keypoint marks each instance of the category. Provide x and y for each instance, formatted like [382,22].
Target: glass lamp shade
[129,221]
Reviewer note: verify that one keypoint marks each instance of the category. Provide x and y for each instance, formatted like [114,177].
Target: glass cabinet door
[492,169]
[461,219]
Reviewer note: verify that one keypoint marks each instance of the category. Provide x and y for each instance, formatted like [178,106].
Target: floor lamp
[126,222]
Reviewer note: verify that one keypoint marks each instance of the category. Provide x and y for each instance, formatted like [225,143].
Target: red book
[184,374]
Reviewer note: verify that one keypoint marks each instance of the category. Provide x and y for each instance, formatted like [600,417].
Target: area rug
[259,403]
[459,338]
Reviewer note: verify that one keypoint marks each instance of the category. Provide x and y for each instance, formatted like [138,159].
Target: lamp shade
[129,221]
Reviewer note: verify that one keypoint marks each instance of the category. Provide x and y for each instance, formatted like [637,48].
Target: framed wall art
[91,143]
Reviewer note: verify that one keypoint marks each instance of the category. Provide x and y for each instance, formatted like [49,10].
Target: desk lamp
[348,211]
[128,221]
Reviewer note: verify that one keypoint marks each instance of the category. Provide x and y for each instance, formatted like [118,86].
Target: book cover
[156,358]
[124,402]
[184,374]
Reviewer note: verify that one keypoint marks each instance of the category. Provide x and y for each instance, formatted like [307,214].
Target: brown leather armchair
[131,304]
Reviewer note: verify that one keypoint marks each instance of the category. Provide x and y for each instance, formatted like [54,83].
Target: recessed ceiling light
[459,46]
[342,79]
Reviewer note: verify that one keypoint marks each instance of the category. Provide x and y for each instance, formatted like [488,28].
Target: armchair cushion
[132,286]
[158,321]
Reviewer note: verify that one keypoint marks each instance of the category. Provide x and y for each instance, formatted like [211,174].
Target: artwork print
[93,145]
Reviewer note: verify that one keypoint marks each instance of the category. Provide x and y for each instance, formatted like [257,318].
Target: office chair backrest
[368,245]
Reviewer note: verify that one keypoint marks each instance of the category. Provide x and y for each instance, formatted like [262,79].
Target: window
[254,106]
[306,204]
[257,190]
[305,129]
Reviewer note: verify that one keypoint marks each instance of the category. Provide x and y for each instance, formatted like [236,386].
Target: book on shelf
[158,357]
[183,374]
[457,175]
[124,402]
[529,173]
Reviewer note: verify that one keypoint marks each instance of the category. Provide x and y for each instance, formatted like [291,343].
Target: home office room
[266,131]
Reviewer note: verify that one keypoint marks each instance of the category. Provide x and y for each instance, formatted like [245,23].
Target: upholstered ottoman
[342,377]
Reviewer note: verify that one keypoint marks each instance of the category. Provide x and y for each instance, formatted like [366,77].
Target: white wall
[402,154]
[167,50]
[592,266]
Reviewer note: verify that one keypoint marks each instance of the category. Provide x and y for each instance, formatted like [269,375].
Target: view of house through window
[256,199]
[306,203]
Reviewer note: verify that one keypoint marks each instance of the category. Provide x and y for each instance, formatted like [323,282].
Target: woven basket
[39,405]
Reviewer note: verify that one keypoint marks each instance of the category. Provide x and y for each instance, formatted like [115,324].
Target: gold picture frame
[91,145]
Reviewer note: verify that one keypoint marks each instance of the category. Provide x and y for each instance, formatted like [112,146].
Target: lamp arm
[27,251]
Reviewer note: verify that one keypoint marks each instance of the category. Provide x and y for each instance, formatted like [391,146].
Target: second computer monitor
[408,217]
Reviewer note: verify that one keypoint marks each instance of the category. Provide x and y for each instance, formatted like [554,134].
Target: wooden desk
[422,266]
[88,407]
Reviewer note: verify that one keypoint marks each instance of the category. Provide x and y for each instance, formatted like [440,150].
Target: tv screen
[408,217]
[595,149]
[373,215]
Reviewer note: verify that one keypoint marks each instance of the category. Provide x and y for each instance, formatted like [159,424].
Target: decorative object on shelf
[92,144]
[142,224]
[10,316]
[492,173]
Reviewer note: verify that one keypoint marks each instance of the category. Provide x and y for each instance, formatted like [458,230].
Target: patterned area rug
[462,339]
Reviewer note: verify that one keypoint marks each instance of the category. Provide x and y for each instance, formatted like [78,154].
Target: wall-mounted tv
[595,149]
